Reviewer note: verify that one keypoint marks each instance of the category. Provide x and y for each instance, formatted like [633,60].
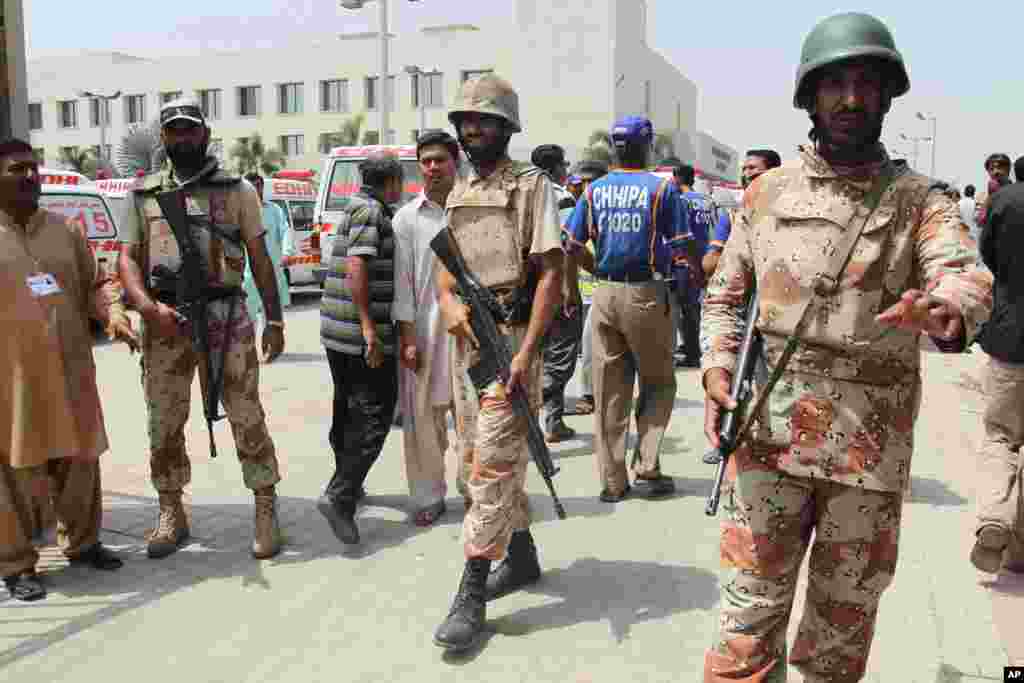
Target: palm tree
[140,150]
[371,137]
[599,147]
[252,156]
[350,129]
[79,160]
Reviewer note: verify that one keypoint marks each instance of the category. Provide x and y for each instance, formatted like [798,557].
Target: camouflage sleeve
[721,328]
[948,262]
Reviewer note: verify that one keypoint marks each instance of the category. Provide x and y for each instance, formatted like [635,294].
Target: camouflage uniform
[831,451]
[169,364]
[492,442]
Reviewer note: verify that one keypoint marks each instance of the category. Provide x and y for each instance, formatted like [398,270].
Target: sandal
[430,514]
[25,587]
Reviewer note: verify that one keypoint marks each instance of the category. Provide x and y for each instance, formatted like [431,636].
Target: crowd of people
[852,256]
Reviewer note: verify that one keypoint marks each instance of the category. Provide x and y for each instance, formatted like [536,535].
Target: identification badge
[42,284]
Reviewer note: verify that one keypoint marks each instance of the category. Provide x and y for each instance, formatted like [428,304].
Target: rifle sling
[826,285]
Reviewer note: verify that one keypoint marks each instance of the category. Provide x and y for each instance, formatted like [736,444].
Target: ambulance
[340,180]
[294,192]
[81,202]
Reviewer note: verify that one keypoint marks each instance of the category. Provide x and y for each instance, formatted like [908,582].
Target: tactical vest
[213,211]
[484,220]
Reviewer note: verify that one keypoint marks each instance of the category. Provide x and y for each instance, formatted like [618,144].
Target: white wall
[717,158]
[562,56]
[673,97]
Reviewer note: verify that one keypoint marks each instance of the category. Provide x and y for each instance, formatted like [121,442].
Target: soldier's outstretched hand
[918,311]
[717,389]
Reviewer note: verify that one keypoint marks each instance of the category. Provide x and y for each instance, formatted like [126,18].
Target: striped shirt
[365,230]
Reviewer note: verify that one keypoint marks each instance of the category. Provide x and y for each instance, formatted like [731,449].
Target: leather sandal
[25,587]
[98,557]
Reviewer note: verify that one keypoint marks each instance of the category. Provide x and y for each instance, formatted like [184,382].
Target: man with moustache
[503,216]
[51,423]
[226,223]
[829,450]
[425,391]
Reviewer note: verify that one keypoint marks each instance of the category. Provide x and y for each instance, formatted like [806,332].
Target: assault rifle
[495,355]
[729,436]
[193,296]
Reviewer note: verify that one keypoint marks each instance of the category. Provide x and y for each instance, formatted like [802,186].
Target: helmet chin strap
[489,156]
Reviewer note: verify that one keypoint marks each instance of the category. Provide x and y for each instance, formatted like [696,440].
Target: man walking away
[358,333]
[51,423]
[562,343]
[1000,529]
[634,218]
[425,382]
[689,279]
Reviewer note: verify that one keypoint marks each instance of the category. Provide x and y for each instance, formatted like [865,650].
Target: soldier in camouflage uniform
[503,216]
[224,214]
[830,452]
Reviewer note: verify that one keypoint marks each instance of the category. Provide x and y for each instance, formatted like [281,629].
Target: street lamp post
[922,117]
[916,142]
[103,104]
[382,20]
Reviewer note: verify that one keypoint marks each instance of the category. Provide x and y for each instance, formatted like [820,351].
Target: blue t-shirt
[617,214]
[722,230]
[702,218]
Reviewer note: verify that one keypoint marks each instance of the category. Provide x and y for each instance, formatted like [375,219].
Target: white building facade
[576,65]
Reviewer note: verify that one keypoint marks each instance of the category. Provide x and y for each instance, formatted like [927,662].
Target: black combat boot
[465,623]
[519,568]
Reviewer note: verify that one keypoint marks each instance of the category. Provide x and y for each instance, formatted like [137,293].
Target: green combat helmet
[848,36]
[487,94]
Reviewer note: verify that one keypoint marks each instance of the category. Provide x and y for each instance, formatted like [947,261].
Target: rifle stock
[495,355]
[741,391]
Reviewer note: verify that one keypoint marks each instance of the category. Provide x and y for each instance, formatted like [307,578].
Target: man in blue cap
[634,219]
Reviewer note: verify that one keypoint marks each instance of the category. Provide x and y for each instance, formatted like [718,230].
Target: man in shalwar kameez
[425,386]
[51,422]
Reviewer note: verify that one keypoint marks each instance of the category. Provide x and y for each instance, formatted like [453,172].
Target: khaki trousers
[998,492]
[425,432]
[30,496]
[632,334]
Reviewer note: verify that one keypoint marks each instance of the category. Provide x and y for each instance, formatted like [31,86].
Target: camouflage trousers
[30,497]
[766,531]
[492,447]
[168,369]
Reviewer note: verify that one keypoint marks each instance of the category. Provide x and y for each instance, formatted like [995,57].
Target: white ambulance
[78,198]
[294,192]
[340,180]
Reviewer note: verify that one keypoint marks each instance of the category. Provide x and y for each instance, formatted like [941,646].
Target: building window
[169,96]
[433,89]
[467,75]
[289,98]
[67,114]
[647,98]
[292,145]
[35,116]
[135,108]
[109,152]
[40,154]
[372,93]
[249,100]
[209,102]
[334,96]
[99,107]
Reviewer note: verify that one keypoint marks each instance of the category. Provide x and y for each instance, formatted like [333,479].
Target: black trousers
[689,322]
[364,407]
[561,348]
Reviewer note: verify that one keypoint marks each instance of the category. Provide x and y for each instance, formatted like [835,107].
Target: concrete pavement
[629,590]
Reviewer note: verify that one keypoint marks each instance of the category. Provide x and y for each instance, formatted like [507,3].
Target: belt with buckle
[643,276]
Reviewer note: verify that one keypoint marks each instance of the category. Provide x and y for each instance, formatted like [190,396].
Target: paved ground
[629,591]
